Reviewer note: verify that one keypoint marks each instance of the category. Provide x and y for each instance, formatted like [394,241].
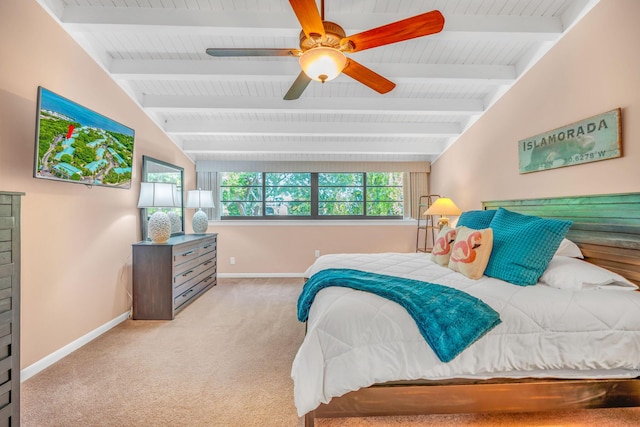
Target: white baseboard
[257,275]
[49,360]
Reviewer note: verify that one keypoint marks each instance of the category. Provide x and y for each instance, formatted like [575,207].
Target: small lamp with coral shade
[444,207]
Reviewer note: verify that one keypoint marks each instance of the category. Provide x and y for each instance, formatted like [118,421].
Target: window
[287,194]
[241,194]
[341,194]
[351,195]
[385,194]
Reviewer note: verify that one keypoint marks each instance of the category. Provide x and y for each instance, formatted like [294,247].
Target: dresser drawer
[186,253]
[190,268]
[184,297]
[190,251]
[197,274]
[209,245]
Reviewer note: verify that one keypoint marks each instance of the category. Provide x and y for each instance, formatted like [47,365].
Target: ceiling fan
[323,45]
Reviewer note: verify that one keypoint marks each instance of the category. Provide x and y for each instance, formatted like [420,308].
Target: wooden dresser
[169,276]
[10,308]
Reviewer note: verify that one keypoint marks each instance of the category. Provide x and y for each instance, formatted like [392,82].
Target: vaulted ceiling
[233,108]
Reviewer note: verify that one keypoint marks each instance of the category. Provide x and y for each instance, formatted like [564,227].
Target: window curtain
[209,181]
[416,184]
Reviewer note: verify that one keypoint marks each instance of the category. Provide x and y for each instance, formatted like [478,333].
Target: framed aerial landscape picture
[76,144]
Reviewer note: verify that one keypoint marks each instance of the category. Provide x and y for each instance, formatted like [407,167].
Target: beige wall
[76,241]
[291,249]
[593,69]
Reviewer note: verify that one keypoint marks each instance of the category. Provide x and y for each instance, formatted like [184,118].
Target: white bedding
[355,339]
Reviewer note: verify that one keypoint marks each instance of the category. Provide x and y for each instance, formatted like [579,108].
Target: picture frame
[590,140]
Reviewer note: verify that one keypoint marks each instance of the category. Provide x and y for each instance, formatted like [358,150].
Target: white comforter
[355,339]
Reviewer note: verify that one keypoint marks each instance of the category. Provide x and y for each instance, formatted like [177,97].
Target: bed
[606,228]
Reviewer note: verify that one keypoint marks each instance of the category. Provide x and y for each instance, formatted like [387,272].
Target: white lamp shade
[197,199]
[443,206]
[322,63]
[157,195]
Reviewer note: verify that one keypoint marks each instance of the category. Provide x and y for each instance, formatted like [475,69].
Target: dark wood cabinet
[10,308]
[169,276]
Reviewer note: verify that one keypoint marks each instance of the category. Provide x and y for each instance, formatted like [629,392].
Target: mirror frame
[146,163]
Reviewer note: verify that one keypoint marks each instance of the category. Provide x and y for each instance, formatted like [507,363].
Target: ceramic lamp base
[159,227]
[176,222]
[200,222]
[443,222]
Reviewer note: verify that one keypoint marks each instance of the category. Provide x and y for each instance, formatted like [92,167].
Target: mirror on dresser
[154,170]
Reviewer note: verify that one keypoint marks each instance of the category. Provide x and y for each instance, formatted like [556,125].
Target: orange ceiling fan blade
[224,52]
[410,28]
[309,17]
[301,83]
[367,77]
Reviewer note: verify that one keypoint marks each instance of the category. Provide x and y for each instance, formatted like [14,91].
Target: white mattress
[355,339]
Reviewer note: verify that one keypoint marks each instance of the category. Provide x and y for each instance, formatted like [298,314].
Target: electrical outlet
[317,253]
[232,260]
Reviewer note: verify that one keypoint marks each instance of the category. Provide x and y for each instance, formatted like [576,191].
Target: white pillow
[570,273]
[568,248]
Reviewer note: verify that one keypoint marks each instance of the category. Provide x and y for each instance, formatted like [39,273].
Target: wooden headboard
[605,227]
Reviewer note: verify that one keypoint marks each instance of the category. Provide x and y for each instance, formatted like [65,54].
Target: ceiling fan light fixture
[323,63]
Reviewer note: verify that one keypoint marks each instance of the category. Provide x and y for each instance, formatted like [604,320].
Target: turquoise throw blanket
[449,320]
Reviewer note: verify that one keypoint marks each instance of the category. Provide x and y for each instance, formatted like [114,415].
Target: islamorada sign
[589,140]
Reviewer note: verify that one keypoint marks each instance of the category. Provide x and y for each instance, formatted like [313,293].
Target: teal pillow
[478,220]
[523,246]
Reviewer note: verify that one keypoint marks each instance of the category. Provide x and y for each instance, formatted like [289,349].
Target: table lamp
[158,195]
[443,207]
[176,220]
[198,199]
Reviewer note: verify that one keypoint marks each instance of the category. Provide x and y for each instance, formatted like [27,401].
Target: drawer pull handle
[187,253]
[208,278]
[187,293]
[207,247]
[208,262]
[186,273]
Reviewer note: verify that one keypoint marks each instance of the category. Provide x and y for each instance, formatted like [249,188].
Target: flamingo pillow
[471,250]
[442,246]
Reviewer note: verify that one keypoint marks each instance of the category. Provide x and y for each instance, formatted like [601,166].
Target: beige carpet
[224,361]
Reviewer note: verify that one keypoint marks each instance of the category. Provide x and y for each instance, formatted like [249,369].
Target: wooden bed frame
[607,230]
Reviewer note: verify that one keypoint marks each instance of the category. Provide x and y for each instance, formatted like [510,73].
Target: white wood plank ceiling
[233,108]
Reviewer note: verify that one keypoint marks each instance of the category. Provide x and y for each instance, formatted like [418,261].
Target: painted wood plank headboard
[605,227]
